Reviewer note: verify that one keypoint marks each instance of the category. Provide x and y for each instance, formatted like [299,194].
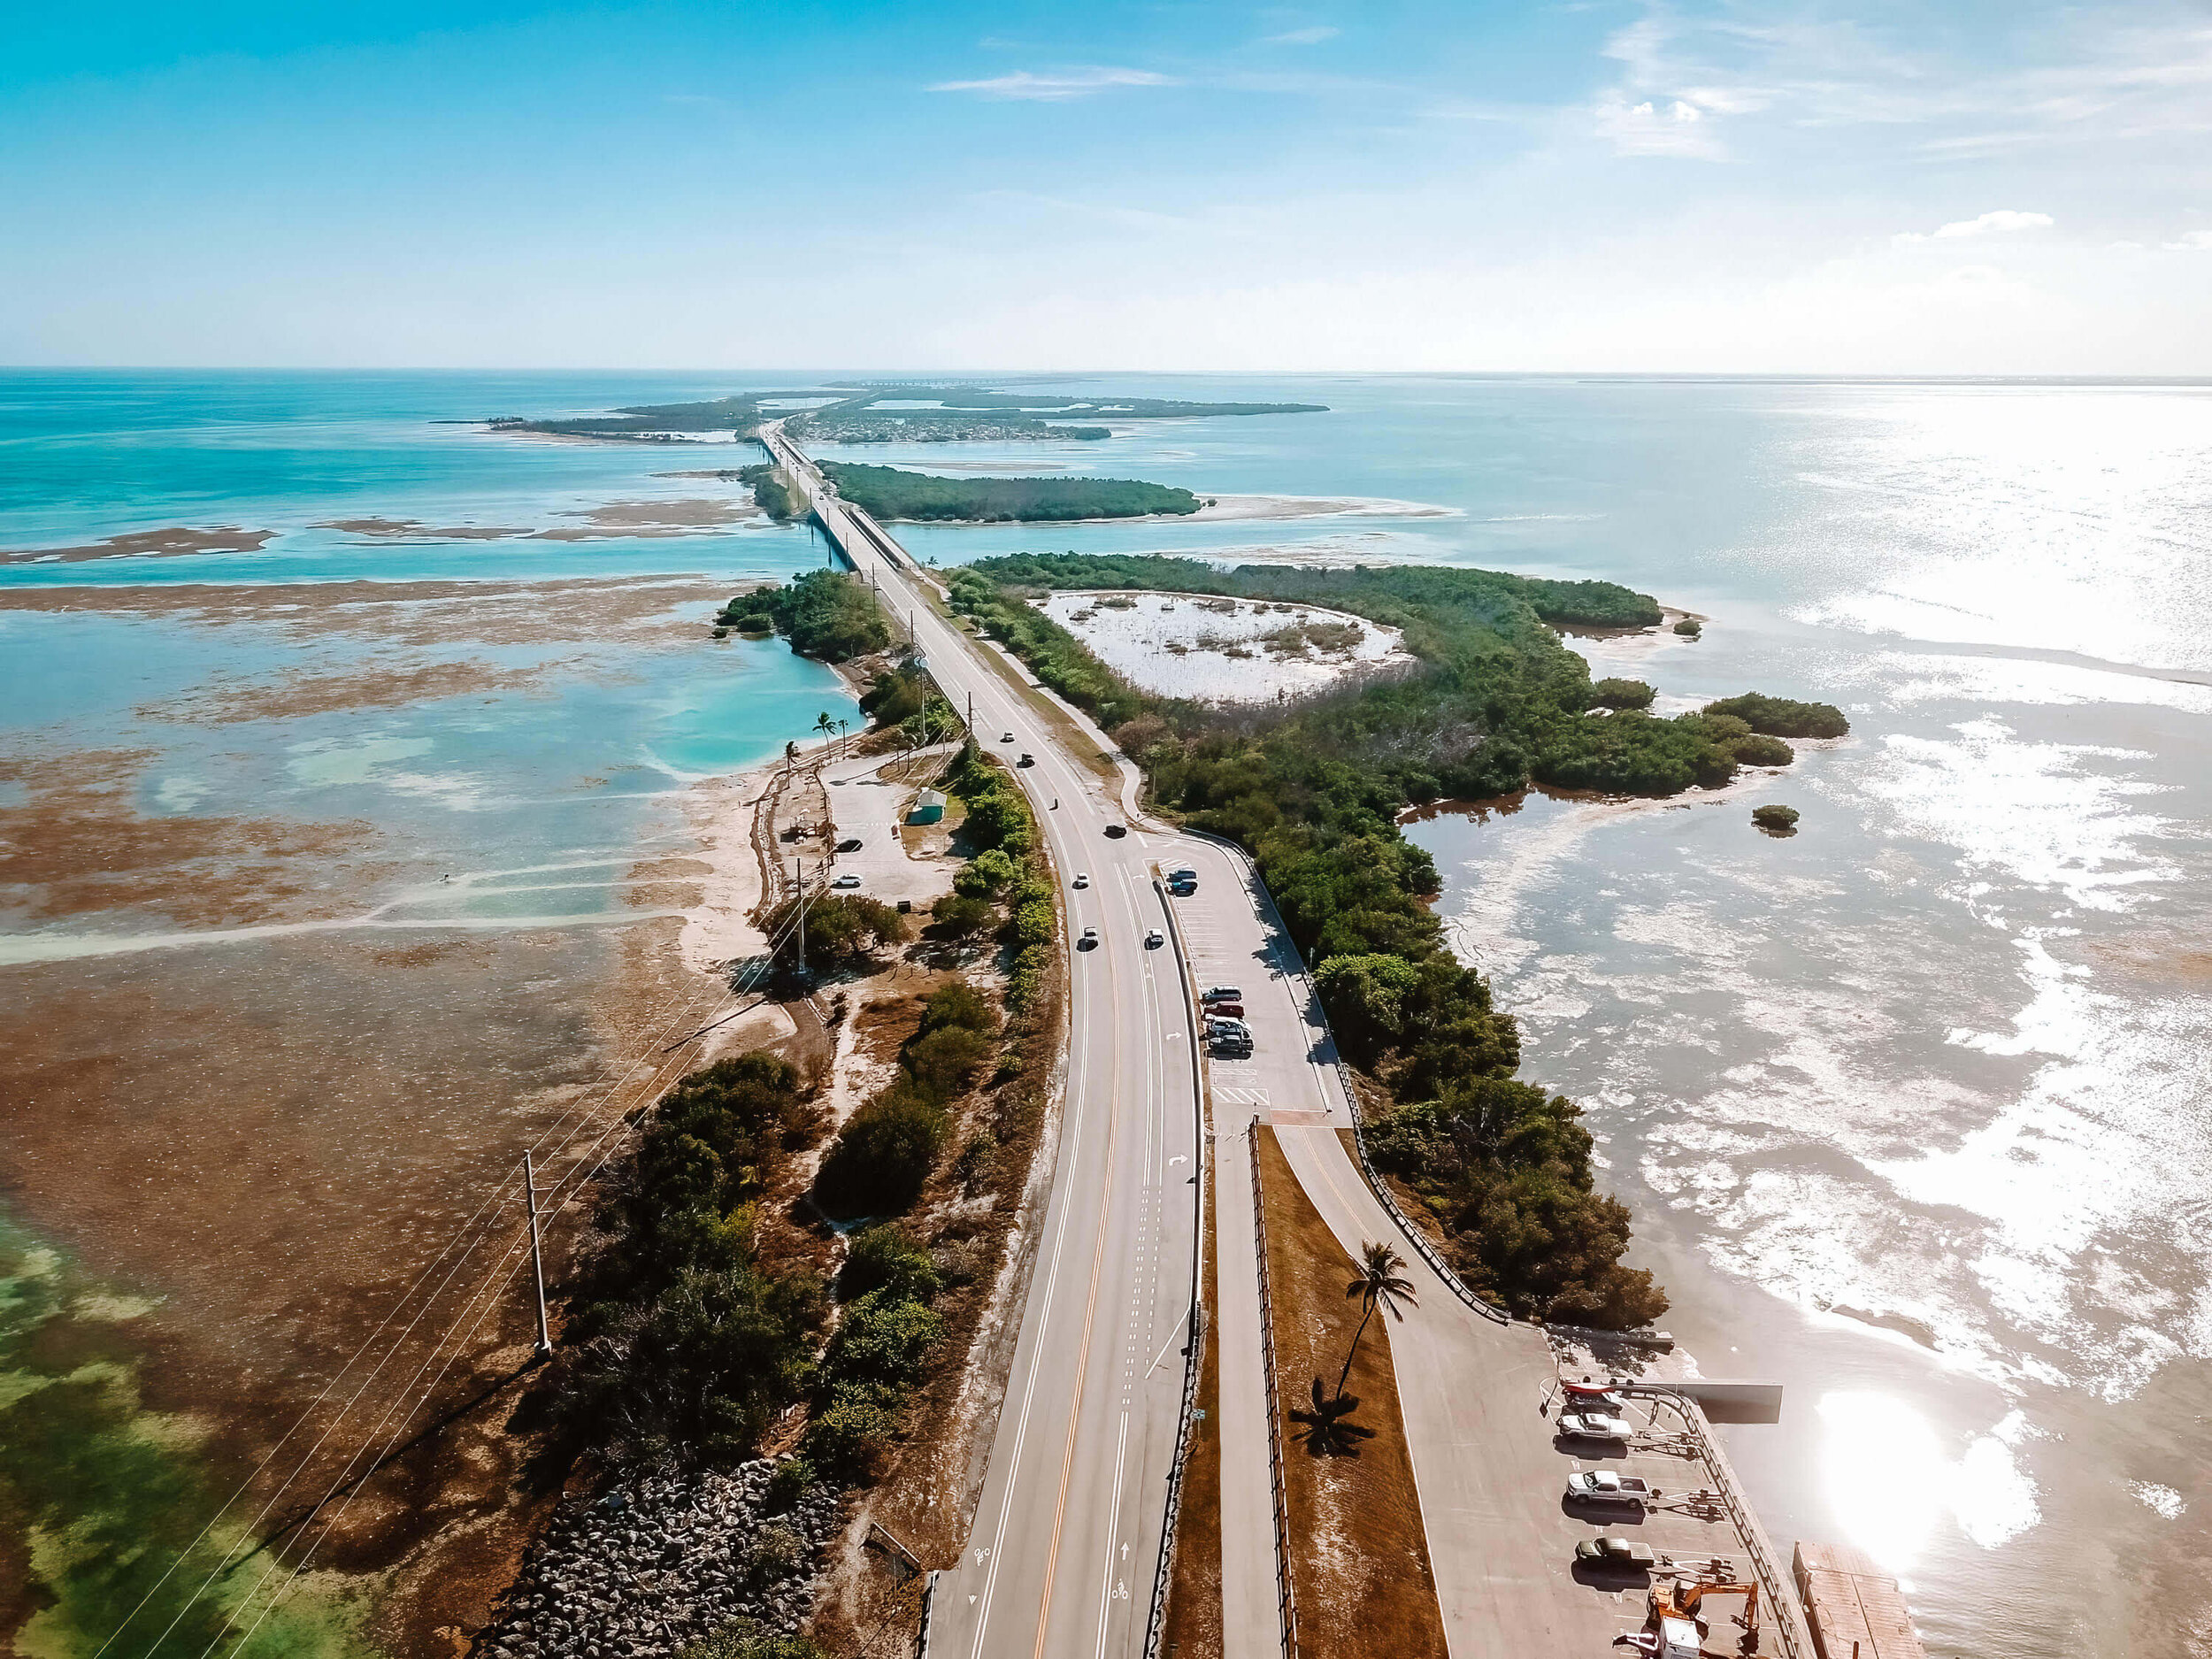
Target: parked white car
[846,881]
[1594,1426]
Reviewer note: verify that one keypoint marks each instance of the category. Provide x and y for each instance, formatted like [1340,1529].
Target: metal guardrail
[1286,1600]
[1155,1621]
[1380,1187]
[1780,1591]
[929,1595]
[1162,1576]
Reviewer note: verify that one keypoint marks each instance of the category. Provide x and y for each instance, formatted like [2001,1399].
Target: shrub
[787,1483]
[850,1437]
[886,1256]
[1774,817]
[1759,749]
[957,1004]
[1621,694]
[943,1062]
[825,613]
[1689,628]
[748,1639]
[843,929]
[985,874]
[1507,1169]
[700,1370]
[1780,716]
[1365,996]
[883,1154]
[962,918]
[777,1549]
[883,1340]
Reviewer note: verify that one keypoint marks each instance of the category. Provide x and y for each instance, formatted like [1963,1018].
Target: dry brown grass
[1359,1556]
[1193,1625]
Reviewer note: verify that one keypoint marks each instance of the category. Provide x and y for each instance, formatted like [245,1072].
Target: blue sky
[1878,187]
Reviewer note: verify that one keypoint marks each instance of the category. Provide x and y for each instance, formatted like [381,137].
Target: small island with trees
[891,412]
[890,493]
[1501,1170]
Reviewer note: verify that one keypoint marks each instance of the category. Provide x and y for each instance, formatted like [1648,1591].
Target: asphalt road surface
[1067,1534]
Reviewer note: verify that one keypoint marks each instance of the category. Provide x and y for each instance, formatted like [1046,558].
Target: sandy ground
[146,544]
[1218,650]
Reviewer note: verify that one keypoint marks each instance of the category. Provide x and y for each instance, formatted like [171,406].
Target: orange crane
[1681,1598]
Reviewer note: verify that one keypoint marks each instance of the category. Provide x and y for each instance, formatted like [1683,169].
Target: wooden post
[537,1260]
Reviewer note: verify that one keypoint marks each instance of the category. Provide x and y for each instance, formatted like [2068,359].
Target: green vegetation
[1009,868]
[682,1343]
[1593,604]
[1621,694]
[1506,1170]
[743,1639]
[848,424]
[1780,717]
[1313,791]
[825,614]
[855,414]
[102,1501]
[887,1148]
[678,1341]
[1779,820]
[1689,628]
[889,493]
[976,400]
[843,930]
[774,493]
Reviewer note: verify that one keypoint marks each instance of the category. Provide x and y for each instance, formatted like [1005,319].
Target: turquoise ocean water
[1911,1108]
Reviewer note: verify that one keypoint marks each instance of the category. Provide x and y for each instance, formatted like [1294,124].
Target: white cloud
[1055,85]
[1655,128]
[2192,242]
[2001,222]
[1312,36]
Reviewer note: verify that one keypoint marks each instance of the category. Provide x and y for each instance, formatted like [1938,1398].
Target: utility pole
[537,1261]
[798,874]
[970,714]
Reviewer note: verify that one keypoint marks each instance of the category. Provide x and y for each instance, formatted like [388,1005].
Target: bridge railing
[1162,1576]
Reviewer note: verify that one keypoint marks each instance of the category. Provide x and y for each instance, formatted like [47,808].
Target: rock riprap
[654,1563]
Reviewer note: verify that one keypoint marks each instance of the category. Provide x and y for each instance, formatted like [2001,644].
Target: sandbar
[169,543]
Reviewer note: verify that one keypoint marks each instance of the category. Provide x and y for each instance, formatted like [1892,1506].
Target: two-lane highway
[1067,1532]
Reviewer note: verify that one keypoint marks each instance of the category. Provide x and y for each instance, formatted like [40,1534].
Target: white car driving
[1082,880]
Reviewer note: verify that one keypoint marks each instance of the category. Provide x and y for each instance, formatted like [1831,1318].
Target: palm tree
[842,725]
[1380,1283]
[790,756]
[824,724]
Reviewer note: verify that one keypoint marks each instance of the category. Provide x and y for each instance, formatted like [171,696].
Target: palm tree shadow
[1329,1431]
